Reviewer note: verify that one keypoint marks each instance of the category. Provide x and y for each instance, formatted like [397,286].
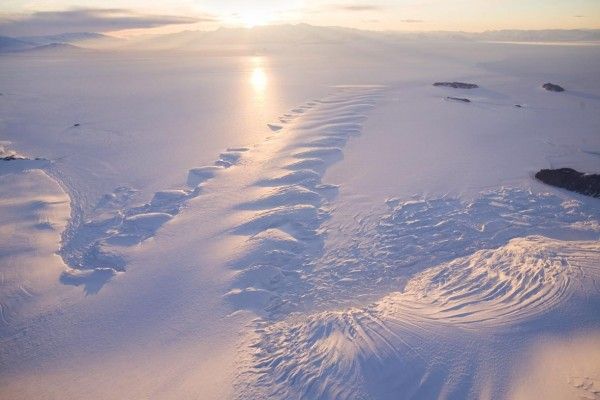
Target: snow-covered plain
[310,219]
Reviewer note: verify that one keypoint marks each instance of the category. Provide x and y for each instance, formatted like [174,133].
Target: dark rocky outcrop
[551,87]
[12,157]
[570,179]
[456,85]
[461,99]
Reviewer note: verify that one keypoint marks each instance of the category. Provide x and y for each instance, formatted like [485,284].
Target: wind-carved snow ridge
[281,221]
[411,344]
[91,248]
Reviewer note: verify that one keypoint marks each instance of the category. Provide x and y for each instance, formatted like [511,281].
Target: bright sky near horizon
[22,17]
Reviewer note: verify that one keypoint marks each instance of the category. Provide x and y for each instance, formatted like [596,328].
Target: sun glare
[252,18]
[258,79]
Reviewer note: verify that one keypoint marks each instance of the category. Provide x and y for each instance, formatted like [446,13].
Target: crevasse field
[299,220]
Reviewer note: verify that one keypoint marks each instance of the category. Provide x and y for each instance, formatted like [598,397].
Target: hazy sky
[22,17]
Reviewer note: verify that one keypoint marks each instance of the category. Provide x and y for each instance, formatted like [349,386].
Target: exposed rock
[458,99]
[457,85]
[570,179]
[518,106]
[77,124]
[551,87]
[12,157]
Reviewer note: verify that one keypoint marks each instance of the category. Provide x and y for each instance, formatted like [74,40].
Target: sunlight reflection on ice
[258,78]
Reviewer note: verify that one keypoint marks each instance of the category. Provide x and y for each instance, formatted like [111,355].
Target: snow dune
[34,210]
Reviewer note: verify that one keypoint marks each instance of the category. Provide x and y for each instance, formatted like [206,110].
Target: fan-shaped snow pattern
[409,344]
[525,277]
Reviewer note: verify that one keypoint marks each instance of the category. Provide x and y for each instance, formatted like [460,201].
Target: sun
[252,18]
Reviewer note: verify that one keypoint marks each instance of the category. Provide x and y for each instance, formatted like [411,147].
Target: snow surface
[314,223]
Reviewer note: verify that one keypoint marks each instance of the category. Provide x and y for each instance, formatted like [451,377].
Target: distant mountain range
[68,38]
[280,36]
[70,41]
[285,35]
[548,35]
[8,44]
[290,35]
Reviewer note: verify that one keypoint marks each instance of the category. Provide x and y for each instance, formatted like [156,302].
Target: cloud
[412,21]
[358,7]
[86,20]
